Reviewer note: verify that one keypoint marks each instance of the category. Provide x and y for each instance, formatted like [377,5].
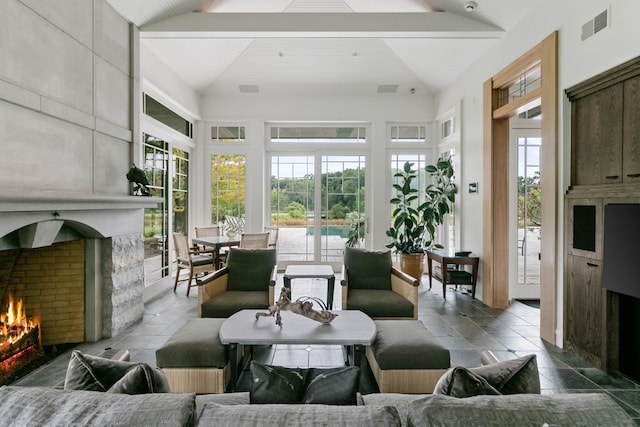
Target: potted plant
[414,224]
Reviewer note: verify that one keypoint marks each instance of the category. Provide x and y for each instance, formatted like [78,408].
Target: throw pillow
[87,372]
[514,376]
[368,269]
[461,382]
[276,384]
[332,386]
[328,386]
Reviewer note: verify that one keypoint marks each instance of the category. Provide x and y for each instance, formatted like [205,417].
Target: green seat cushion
[379,303]
[201,260]
[459,277]
[368,269]
[194,345]
[407,344]
[250,269]
[230,302]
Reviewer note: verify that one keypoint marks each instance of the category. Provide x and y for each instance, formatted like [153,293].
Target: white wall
[253,111]
[577,61]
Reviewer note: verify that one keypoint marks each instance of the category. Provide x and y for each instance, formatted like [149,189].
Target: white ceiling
[319,46]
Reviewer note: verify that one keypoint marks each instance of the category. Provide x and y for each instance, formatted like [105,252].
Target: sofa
[29,406]
[101,392]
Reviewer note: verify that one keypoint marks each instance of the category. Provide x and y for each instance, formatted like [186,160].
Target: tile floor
[465,326]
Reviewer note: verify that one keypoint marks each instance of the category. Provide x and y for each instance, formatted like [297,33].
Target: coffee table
[351,328]
[311,271]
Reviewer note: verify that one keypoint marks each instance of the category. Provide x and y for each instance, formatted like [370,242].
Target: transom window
[405,133]
[316,134]
[227,133]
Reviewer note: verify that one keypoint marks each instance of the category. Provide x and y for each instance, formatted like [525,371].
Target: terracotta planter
[412,264]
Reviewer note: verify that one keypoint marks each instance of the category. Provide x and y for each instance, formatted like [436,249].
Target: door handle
[633,175]
[612,176]
[590,264]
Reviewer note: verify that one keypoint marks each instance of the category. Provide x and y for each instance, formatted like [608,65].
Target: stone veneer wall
[123,282]
[51,283]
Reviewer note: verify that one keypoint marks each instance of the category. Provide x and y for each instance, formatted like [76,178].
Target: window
[448,128]
[316,134]
[227,133]
[227,186]
[404,134]
[164,115]
[419,162]
[180,191]
[156,158]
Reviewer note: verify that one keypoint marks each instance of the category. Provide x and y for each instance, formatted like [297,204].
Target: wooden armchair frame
[216,284]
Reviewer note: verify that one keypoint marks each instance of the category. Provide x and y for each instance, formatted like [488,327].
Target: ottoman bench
[404,358]
[194,360]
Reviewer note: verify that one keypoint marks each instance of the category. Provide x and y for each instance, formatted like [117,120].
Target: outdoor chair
[197,261]
[254,240]
[246,282]
[371,284]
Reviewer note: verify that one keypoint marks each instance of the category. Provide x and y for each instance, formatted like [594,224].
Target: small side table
[311,272]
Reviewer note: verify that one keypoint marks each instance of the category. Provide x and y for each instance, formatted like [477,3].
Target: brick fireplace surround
[77,264]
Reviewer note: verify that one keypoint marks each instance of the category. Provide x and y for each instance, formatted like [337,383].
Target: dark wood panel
[585,327]
[631,130]
[598,137]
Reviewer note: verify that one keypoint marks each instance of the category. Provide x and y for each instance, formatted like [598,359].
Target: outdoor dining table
[217,242]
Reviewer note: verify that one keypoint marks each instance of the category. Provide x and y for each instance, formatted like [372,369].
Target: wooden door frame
[496,115]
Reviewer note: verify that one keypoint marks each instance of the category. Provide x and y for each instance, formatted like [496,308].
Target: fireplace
[19,338]
[75,265]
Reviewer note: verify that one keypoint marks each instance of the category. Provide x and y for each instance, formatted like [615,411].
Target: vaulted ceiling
[332,47]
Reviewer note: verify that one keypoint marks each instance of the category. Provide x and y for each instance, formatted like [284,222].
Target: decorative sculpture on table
[138,178]
[302,306]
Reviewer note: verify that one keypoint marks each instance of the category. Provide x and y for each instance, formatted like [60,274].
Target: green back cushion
[368,269]
[250,269]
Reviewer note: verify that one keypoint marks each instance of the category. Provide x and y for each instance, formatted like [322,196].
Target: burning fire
[14,323]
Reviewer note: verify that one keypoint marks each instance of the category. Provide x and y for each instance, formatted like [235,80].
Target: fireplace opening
[19,339]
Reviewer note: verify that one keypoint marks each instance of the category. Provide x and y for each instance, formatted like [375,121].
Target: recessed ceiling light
[470,6]
[354,55]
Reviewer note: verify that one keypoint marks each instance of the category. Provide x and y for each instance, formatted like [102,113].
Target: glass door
[527,215]
[316,217]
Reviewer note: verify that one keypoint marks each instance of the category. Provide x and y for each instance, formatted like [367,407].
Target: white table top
[314,271]
[350,327]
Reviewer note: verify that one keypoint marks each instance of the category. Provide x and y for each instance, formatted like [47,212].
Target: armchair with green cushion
[371,284]
[246,282]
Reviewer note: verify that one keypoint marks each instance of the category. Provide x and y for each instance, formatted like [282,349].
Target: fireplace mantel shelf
[11,201]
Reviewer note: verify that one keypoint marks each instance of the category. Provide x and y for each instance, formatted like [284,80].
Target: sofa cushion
[195,345]
[461,382]
[250,269]
[87,372]
[368,269]
[508,377]
[379,303]
[230,302]
[400,401]
[593,409]
[37,406]
[297,415]
[329,386]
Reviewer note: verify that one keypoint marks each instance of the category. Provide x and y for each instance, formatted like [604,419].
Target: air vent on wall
[248,88]
[597,24]
[387,88]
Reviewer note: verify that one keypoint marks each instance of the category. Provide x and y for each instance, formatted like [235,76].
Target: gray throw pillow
[368,269]
[87,372]
[250,269]
[516,376]
[461,382]
[276,384]
[332,386]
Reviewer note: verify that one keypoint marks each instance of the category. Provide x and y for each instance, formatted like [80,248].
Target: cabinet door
[631,130]
[597,135]
[585,326]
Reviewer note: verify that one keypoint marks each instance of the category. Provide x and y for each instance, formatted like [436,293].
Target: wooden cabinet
[631,130]
[605,127]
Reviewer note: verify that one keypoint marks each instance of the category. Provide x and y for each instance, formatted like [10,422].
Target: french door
[317,201]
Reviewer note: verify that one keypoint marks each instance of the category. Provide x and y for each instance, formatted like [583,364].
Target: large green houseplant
[415,223]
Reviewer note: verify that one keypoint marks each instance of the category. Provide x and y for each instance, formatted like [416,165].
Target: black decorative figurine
[139,180]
